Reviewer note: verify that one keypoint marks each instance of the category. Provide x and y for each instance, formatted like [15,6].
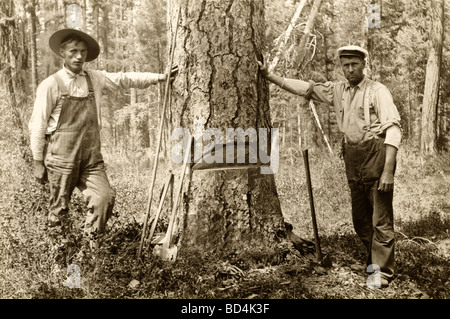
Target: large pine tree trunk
[225,212]
[431,92]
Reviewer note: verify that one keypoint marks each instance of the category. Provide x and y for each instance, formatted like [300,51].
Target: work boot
[53,221]
[60,219]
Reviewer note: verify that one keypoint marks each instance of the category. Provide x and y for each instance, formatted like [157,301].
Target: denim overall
[73,159]
[372,210]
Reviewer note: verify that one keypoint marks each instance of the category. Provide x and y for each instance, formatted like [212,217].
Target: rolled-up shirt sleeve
[46,95]
[388,116]
[322,92]
[393,136]
[387,111]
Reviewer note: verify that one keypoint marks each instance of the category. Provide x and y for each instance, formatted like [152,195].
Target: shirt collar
[360,85]
[73,75]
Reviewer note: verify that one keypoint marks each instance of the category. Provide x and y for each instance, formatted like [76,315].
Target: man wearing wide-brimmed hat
[370,123]
[65,128]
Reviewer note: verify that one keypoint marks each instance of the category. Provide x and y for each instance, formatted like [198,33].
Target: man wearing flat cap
[370,123]
[65,129]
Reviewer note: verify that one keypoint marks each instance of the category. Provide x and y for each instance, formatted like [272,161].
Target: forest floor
[35,260]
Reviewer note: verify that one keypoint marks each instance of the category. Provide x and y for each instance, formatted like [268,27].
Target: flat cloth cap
[352,50]
[59,36]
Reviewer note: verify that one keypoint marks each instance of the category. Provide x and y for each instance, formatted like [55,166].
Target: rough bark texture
[13,63]
[431,92]
[225,212]
[31,8]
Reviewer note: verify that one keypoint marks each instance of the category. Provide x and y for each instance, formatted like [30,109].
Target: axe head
[166,253]
[169,254]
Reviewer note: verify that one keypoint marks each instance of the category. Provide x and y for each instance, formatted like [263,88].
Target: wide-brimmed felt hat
[352,51]
[56,38]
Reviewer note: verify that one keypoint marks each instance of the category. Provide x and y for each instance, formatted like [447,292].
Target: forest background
[404,38]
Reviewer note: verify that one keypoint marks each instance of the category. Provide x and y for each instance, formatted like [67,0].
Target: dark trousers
[372,210]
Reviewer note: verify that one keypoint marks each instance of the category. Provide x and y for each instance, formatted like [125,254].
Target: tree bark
[84,14]
[283,139]
[299,130]
[14,61]
[33,50]
[95,26]
[431,92]
[225,212]
[105,30]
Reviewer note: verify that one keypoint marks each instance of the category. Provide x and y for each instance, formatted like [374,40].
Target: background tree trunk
[307,33]
[283,38]
[14,60]
[231,212]
[31,8]
[431,92]
[302,61]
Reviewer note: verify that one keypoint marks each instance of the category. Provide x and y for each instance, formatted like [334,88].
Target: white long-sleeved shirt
[47,106]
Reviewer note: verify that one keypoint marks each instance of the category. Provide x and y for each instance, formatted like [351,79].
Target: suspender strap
[367,98]
[61,85]
[89,83]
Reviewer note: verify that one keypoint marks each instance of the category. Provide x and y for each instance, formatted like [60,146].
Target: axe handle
[311,203]
[178,192]
[155,221]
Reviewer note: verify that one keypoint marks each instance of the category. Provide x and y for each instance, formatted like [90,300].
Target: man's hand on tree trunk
[173,73]
[263,67]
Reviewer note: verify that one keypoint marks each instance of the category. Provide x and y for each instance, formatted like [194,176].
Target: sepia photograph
[225,157]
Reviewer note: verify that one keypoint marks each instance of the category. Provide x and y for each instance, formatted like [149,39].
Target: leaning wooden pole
[155,164]
[319,256]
